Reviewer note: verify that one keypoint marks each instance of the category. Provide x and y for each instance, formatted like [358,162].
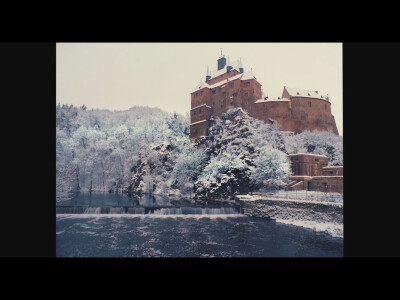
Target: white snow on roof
[272,100]
[197,122]
[311,154]
[225,81]
[332,167]
[200,85]
[200,106]
[248,75]
[235,65]
[293,92]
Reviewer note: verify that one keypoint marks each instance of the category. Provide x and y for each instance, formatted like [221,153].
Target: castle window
[331,172]
[309,103]
[213,91]
[213,103]
[234,94]
[317,159]
[247,83]
[326,107]
[201,93]
[219,89]
[246,94]
[200,111]
[231,84]
[194,112]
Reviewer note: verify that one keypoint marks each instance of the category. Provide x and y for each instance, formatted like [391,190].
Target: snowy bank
[317,215]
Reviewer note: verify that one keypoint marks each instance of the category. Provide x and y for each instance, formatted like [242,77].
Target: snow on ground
[317,215]
[258,197]
[333,229]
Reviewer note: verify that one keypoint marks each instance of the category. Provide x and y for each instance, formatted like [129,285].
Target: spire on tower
[241,69]
[229,66]
[208,75]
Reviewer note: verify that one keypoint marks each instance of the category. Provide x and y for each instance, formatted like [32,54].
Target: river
[108,225]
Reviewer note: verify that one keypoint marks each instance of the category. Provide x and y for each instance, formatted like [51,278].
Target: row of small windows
[198,94]
[235,94]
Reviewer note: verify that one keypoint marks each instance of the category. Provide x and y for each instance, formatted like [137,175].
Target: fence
[303,195]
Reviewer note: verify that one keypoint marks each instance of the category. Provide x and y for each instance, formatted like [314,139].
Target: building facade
[230,86]
[311,172]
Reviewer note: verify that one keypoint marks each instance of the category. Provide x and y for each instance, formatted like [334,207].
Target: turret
[228,66]
[221,61]
[241,69]
[208,76]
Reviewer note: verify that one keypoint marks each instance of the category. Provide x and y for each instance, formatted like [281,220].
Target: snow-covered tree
[317,142]
[147,150]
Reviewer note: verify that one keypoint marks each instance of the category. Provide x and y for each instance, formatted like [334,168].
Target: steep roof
[243,76]
[225,81]
[293,92]
[248,75]
[236,64]
[201,85]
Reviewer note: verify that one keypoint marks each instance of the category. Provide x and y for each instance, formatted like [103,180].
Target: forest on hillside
[146,149]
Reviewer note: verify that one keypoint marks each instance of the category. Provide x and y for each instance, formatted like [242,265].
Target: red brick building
[230,86]
[311,172]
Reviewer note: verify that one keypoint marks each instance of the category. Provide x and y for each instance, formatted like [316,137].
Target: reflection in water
[102,203]
[108,199]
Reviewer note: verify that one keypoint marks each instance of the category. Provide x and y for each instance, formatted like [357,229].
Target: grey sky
[117,76]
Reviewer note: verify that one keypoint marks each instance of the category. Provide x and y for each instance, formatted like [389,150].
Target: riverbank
[320,216]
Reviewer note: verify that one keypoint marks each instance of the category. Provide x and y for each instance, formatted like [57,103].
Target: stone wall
[321,216]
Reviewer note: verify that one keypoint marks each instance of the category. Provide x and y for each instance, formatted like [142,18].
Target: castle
[230,86]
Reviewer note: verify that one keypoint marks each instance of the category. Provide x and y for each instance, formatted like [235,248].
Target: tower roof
[242,76]
[234,64]
[201,85]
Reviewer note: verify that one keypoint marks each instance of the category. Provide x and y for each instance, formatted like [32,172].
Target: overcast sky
[117,76]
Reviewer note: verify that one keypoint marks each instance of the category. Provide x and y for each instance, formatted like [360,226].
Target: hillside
[146,149]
